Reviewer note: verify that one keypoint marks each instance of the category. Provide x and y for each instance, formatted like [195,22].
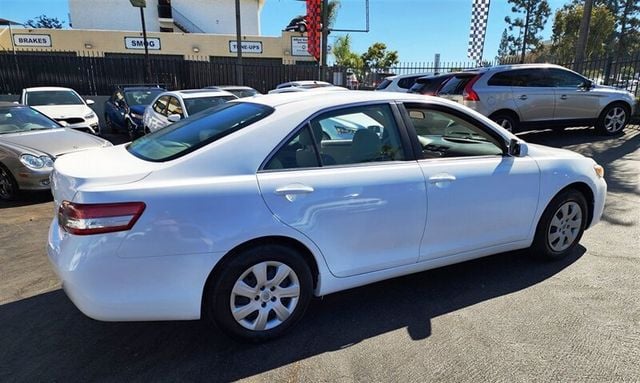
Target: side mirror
[517,148]
[174,117]
[90,102]
[586,85]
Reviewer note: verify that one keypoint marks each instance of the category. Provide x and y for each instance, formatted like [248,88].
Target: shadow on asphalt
[26,198]
[45,338]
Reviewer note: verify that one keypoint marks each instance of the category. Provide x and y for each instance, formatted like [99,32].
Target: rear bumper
[105,286]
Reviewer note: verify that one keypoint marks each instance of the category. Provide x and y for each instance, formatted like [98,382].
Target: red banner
[314,26]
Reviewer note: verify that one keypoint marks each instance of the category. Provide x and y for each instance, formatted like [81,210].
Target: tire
[8,185]
[265,309]
[613,120]
[302,28]
[561,225]
[506,121]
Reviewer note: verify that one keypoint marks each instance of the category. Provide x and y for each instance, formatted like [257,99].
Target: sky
[417,29]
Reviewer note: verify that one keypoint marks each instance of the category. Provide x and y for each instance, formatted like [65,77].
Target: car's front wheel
[260,293]
[612,120]
[8,185]
[561,225]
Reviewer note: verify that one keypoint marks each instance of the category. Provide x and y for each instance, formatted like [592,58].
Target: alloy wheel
[615,119]
[264,296]
[6,184]
[505,123]
[565,226]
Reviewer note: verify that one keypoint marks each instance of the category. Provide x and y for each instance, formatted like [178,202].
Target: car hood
[55,142]
[541,151]
[63,111]
[138,109]
[94,168]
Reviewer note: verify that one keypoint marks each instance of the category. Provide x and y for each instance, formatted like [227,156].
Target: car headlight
[136,116]
[599,170]
[90,116]
[34,162]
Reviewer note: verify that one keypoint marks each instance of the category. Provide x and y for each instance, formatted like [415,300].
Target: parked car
[304,84]
[429,85]
[238,90]
[400,83]
[297,24]
[170,107]
[321,89]
[541,95]
[124,110]
[242,214]
[29,144]
[63,104]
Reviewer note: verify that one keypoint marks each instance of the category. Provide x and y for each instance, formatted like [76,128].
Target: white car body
[400,83]
[301,86]
[155,118]
[77,116]
[204,204]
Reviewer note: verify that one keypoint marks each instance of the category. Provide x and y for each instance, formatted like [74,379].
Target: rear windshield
[456,84]
[197,131]
[385,83]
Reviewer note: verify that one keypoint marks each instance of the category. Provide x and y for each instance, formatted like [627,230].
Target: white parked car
[63,105]
[170,107]
[300,86]
[400,83]
[243,213]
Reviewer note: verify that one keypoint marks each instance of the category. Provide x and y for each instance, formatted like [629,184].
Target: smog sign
[153,43]
[32,40]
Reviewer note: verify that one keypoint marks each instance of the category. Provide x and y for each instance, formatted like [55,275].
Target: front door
[365,210]
[573,100]
[478,197]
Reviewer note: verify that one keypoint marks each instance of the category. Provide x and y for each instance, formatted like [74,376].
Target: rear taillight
[85,219]
[468,93]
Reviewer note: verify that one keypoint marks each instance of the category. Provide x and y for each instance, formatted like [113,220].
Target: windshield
[20,119]
[197,131]
[53,97]
[195,105]
[141,96]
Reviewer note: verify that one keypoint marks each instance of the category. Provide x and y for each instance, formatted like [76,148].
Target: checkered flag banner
[479,16]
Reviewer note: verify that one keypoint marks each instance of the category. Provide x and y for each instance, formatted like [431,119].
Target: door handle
[442,178]
[563,97]
[523,97]
[294,189]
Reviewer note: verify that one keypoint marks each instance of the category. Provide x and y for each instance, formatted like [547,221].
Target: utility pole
[526,34]
[581,44]
[239,68]
[325,36]
[147,67]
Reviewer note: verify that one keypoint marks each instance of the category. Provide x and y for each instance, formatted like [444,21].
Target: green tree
[332,12]
[525,28]
[43,21]
[378,58]
[344,56]
[566,27]
[504,48]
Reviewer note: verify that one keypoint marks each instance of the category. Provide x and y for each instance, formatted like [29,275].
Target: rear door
[158,114]
[533,94]
[365,210]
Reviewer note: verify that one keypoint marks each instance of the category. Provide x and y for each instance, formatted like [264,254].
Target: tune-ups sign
[247,46]
[153,43]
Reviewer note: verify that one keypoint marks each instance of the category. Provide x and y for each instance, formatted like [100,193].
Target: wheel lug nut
[273,299]
[273,288]
[257,297]
[261,288]
[263,304]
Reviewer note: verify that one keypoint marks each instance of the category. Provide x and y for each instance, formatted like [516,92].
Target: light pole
[239,69]
[147,68]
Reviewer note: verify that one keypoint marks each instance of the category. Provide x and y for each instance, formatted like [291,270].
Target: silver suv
[540,95]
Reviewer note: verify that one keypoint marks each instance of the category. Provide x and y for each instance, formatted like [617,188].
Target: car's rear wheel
[561,225]
[260,293]
[506,121]
[612,120]
[8,185]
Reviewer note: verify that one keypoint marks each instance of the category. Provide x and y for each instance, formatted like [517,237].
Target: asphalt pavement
[505,318]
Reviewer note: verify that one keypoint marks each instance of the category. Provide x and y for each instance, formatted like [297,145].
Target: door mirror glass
[517,148]
[173,117]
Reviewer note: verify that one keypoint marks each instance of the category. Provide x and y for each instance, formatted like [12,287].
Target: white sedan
[170,107]
[242,214]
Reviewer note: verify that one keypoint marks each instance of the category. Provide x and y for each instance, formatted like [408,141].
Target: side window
[565,79]
[406,82]
[445,135]
[346,136]
[174,107]
[502,79]
[532,78]
[160,106]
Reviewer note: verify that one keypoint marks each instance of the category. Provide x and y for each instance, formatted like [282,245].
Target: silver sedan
[29,144]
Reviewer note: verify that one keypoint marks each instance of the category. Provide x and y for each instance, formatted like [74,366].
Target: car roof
[234,87]
[46,89]
[195,93]
[303,82]
[126,88]
[399,76]
[521,66]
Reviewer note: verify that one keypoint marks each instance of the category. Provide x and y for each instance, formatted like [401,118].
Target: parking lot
[505,318]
